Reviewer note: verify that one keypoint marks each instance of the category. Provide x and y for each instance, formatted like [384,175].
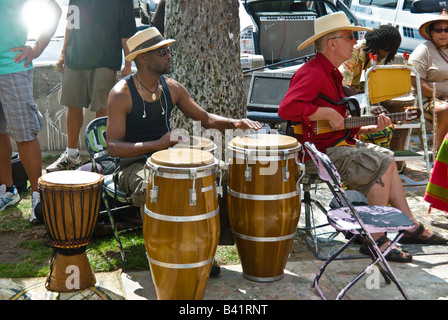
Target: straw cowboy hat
[145,40]
[424,28]
[330,23]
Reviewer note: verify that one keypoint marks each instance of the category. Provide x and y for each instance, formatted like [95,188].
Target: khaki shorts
[87,88]
[361,167]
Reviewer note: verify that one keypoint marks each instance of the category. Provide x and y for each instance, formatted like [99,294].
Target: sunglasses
[351,37]
[440,30]
[162,52]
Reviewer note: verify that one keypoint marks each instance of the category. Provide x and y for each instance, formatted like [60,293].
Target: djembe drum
[181,222]
[263,202]
[70,205]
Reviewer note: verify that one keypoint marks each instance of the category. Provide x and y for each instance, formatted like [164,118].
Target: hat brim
[423,30]
[311,40]
[131,56]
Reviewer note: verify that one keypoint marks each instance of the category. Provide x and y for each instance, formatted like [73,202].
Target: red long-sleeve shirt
[317,76]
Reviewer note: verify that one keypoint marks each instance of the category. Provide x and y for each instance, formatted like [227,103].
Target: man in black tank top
[139,108]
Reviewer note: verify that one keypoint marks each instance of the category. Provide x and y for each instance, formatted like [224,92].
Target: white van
[372,13]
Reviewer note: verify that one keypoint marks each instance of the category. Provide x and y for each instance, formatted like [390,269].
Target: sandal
[394,255]
[415,237]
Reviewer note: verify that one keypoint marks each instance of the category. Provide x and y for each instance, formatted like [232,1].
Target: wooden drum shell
[263,213]
[181,238]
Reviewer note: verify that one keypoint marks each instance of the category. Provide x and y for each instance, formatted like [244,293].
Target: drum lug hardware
[218,185]
[154,192]
[248,171]
[192,191]
[285,172]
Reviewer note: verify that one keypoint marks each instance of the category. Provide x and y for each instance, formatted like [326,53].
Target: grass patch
[30,247]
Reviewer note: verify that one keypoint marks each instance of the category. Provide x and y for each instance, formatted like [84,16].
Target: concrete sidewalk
[425,278]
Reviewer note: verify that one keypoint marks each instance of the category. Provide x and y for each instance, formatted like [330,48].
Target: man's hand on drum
[247,124]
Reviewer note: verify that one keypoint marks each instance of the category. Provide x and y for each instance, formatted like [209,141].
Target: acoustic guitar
[323,126]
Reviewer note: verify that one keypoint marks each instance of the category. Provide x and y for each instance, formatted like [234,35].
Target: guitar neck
[356,122]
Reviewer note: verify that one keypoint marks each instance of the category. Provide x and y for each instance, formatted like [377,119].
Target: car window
[391,4]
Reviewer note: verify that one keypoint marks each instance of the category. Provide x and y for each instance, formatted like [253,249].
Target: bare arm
[191,109]
[127,64]
[30,53]
[427,88]
[119,105]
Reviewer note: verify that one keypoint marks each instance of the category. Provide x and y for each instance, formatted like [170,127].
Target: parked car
[136,7]
[373,13]
[147,9]
[271,30]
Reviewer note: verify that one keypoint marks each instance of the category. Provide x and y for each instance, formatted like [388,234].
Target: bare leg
[101,113]
[5,160]
[392,192]
[75,118]
[31,158]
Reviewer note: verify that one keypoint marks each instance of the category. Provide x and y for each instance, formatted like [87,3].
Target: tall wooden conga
[181,224]
[263,202]
[70,205]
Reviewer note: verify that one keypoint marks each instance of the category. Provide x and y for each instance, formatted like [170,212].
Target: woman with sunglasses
[430,59]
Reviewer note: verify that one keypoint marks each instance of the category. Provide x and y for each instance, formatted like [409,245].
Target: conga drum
[263,202]
[181,222]
[70,205]
[200,143]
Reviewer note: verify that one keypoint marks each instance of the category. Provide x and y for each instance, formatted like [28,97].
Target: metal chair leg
[114,228]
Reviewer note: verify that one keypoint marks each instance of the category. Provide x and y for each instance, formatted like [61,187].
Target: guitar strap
[354,110]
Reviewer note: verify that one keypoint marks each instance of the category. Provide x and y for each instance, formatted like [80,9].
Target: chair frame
[422,121]
[93,157]
[331,177]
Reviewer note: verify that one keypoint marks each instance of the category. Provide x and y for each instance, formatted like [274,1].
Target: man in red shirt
[367,168]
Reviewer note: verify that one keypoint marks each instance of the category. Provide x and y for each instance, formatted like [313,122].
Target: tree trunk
[206,56]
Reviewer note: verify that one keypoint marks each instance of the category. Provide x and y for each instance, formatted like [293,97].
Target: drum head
[69,177]
[265,142]
[179,157]
[197,143]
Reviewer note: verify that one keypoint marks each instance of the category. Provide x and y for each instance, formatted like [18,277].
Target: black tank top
[156,123]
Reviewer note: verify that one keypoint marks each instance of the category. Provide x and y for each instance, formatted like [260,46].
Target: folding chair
[362,221]
[384,82]
[95,138]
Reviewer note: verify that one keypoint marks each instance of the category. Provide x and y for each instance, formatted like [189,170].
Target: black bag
[19,176]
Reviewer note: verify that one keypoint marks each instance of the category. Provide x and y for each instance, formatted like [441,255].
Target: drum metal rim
[263,197]
[263,239]
[169,218]
[186,169]
[263,157]
[180,265]
[265,152]
[262,279]
[183,176]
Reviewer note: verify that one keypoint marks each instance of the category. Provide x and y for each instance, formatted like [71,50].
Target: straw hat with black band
[328,24]
[146,40]
[426,27]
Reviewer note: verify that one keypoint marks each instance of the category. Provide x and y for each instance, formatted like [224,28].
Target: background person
[90,58]
[20,118]
[364,167]
[430,59]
